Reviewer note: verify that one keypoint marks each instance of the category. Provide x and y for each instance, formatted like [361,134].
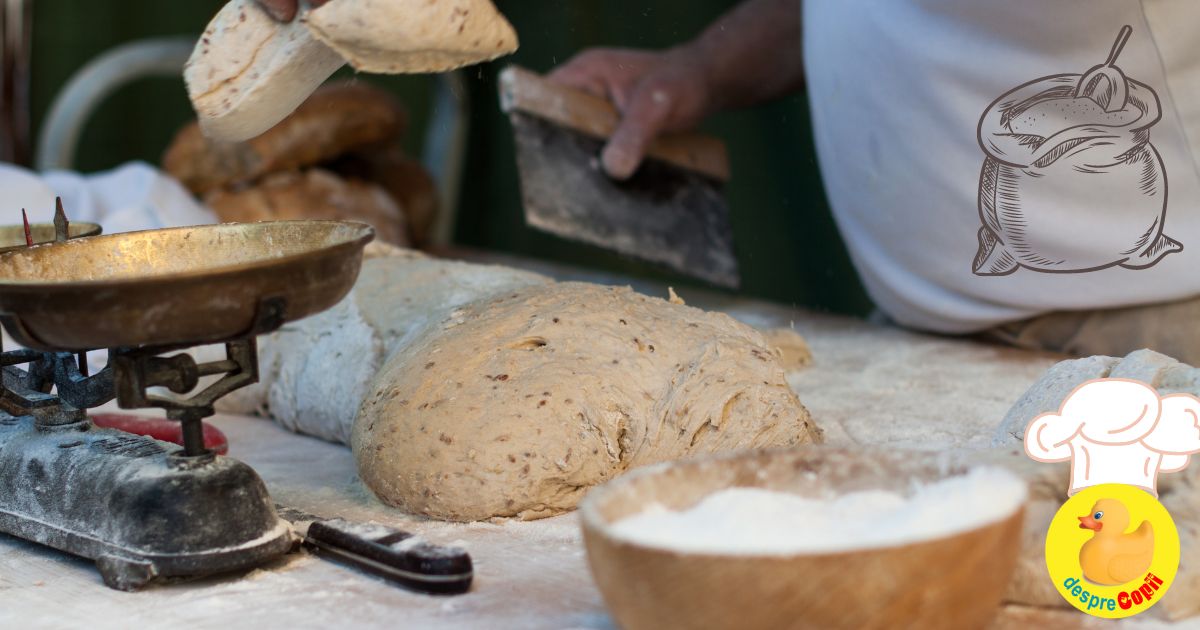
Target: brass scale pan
[12,237]
[176,286]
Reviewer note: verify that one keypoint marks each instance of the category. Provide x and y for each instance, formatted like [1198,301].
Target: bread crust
[314,194]
[337,118]
[404,178]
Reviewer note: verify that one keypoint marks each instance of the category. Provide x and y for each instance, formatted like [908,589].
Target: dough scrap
[1160,371]
[790,347]
[516,405]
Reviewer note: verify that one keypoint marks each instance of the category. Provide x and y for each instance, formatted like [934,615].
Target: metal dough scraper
[672,211]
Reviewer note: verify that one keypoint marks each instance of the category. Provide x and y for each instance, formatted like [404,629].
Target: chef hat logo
[1117,431]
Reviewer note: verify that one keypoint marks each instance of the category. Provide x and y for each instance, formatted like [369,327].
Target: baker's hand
[285,10]
[655,91]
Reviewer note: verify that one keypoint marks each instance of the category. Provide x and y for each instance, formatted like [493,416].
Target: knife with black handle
[392,554]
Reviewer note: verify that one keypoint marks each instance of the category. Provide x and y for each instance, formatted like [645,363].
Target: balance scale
[140,508]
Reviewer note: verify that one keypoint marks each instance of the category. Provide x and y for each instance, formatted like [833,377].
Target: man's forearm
[752,53]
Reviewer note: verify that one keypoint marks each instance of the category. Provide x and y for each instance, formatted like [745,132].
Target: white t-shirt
[1075,204]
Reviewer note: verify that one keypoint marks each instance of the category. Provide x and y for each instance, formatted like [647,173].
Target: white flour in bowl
[755,521]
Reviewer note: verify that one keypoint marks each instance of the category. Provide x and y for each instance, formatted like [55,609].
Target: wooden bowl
[951,582]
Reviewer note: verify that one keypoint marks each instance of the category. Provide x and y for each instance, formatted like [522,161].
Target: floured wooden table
[869,384]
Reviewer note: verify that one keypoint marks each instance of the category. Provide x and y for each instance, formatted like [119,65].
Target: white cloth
[898,88]
[133,196]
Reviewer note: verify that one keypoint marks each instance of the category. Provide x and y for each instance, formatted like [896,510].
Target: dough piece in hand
[248,71]
[407,36]
[337,118]
[516,405]
[314,373]
[313,194]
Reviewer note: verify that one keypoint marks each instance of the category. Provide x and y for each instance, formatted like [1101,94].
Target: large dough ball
[516,405]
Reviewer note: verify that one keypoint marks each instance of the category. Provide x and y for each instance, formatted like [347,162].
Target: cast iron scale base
[140,508]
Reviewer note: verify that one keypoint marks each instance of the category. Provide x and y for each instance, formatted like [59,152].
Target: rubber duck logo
[1121,555]
[1113,556]
[1101,566]
[1067,147]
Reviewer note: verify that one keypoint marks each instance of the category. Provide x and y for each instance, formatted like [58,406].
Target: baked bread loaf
[248,71]
[313,194]
[404,178]
[351,130]
[336,119]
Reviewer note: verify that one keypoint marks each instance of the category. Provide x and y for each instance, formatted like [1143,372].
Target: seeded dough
[792,350]
[517,404]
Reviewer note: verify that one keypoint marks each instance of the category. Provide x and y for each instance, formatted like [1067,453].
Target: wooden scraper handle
[525,91]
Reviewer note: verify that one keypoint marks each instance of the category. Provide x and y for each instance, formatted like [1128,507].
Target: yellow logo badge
[1112,550]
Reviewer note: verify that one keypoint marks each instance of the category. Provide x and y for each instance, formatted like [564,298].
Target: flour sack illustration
[1071,182]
